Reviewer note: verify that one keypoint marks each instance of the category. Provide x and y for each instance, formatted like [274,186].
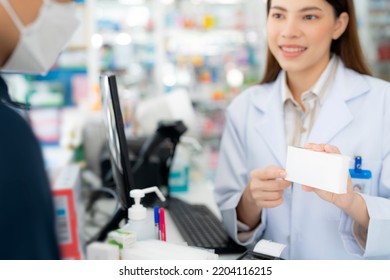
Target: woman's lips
[292,51]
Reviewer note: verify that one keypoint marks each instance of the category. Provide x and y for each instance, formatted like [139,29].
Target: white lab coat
[355,117]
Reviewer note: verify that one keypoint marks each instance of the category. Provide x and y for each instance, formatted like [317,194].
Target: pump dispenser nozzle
[137,211]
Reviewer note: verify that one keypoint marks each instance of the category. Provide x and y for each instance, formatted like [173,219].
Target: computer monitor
[123,173]
[117,144]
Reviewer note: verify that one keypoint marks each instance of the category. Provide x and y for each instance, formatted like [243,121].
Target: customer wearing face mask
[32,34]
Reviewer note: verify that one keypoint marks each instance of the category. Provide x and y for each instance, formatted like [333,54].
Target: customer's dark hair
[347,46]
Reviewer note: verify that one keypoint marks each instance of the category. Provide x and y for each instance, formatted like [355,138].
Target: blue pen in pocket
[361,178]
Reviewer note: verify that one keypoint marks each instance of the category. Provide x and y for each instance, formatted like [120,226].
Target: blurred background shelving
[374,23]
[209,49]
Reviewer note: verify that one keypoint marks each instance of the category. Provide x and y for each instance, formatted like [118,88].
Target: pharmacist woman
[32,34]
[316,93]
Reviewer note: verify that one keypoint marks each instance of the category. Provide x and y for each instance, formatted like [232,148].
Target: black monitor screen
[117,145]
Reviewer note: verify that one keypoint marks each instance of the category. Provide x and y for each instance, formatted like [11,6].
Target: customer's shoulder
[10,117]
[12,126]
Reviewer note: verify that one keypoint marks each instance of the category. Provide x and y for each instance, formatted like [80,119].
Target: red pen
[162,225]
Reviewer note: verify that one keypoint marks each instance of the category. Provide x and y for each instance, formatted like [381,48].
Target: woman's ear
[340,25]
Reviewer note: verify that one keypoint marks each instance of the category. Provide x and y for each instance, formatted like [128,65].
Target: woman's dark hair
[347,47]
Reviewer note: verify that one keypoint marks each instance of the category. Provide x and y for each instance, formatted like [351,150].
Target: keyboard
[201,228]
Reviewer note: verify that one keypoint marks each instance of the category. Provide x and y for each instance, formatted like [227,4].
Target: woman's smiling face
[300,33]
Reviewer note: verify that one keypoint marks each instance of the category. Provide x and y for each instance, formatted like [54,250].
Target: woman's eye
[310,17]
[277,16]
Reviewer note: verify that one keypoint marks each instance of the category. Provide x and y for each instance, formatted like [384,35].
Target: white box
[270,248]
[102,251]
[320,170]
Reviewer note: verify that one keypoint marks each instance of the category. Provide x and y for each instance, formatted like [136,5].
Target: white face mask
[41,41]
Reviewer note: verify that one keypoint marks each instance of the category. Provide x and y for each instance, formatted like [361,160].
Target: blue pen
[157,222]
[358,164]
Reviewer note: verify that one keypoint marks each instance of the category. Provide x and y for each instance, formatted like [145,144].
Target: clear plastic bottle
[179,172]
[139,222]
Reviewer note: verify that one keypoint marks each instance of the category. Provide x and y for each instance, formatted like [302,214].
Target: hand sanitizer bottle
[139,222]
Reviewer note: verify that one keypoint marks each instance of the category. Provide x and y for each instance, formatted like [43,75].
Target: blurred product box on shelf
[46,124]
[69,214]
[384,50]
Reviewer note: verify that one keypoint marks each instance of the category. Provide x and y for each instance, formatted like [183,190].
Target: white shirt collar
[319,88]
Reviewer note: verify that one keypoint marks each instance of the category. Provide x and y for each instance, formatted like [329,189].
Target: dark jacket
[27,219]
